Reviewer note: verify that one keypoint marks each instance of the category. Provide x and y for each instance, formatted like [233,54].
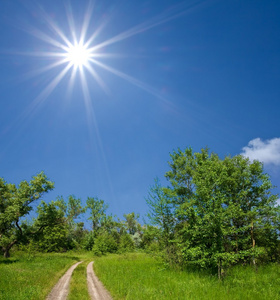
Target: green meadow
[132,276]
[140,276]
[27,277]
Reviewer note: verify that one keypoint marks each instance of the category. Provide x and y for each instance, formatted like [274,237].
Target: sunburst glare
[78,55]
[83,54]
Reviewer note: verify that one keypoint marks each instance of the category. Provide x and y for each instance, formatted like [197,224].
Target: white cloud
[268,152]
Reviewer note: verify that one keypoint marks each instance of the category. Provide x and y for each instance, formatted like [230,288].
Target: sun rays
[77,52]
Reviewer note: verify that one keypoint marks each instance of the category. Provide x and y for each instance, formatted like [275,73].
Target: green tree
[51,227]
[16,203]
[131,222]
[104,243]
[151,238]
[161,212]
[126,243]
[97,209]
[72,209]
[221,206]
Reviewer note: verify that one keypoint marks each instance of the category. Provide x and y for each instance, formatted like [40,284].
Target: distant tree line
[57,227]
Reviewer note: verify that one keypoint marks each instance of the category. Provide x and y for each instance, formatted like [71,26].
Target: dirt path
[61,289]
[96,289]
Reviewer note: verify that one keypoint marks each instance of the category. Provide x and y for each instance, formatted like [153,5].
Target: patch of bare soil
[61,289]
[95,287]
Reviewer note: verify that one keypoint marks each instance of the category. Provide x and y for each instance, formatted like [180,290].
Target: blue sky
[164,74]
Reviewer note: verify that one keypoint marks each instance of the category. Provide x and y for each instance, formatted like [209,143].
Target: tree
[72,209]
[161,211]
[15,203]
[104,243]
[126,243]
[97,210]
[131,222]
[51,226]
[222,207]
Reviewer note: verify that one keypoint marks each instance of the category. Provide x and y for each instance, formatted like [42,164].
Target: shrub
[104,243]
[126,243]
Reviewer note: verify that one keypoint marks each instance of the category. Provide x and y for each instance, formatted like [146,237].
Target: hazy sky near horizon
[161,74]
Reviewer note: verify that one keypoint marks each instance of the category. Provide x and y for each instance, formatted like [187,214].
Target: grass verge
[78,283]
[139,276]
[32,277]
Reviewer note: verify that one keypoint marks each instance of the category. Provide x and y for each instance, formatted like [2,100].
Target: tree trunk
[253,241]
[6,253]
[219,269]
[7,249]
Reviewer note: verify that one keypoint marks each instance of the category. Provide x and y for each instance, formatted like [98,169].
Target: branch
[46,225]
[19,227]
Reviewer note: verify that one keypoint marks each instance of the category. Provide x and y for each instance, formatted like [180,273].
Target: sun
[78,55]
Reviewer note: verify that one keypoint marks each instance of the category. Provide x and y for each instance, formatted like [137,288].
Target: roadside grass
[28,277]
[140,276]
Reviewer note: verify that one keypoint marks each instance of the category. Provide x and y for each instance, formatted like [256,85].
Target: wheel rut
[96,289]
[61,289]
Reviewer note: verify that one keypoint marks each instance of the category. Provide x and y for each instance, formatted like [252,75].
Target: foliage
[223,208]
[137,240]
[131,222]
[15,203]
[51,218]
[151,236]
[126,243]
[97,210]
[88,241]
[104,243]
[72,209]
[161,212]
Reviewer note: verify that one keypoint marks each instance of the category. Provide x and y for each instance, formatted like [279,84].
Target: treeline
[214,213]
[56,227]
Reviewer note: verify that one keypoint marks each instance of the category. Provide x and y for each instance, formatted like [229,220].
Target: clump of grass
[78,283]
[24,277]
[139,276]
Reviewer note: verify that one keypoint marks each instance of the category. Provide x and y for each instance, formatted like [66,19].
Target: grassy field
[139,276]
[32,277]
[131,276]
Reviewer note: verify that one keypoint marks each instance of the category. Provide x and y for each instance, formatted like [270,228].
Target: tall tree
[15,203]
[131,222]
[222,207]
[97,209]
[50,227]
[161,211]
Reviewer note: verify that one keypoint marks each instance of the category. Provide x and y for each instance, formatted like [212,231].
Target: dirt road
[61,289]
[96,289]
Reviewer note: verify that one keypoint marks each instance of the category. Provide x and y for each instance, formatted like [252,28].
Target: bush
[126,243]
[137,240]
[104,243]
[88,241]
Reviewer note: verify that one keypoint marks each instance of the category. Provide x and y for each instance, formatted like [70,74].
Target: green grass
[78,283]
[139,276]
[132,276]
[32,277]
